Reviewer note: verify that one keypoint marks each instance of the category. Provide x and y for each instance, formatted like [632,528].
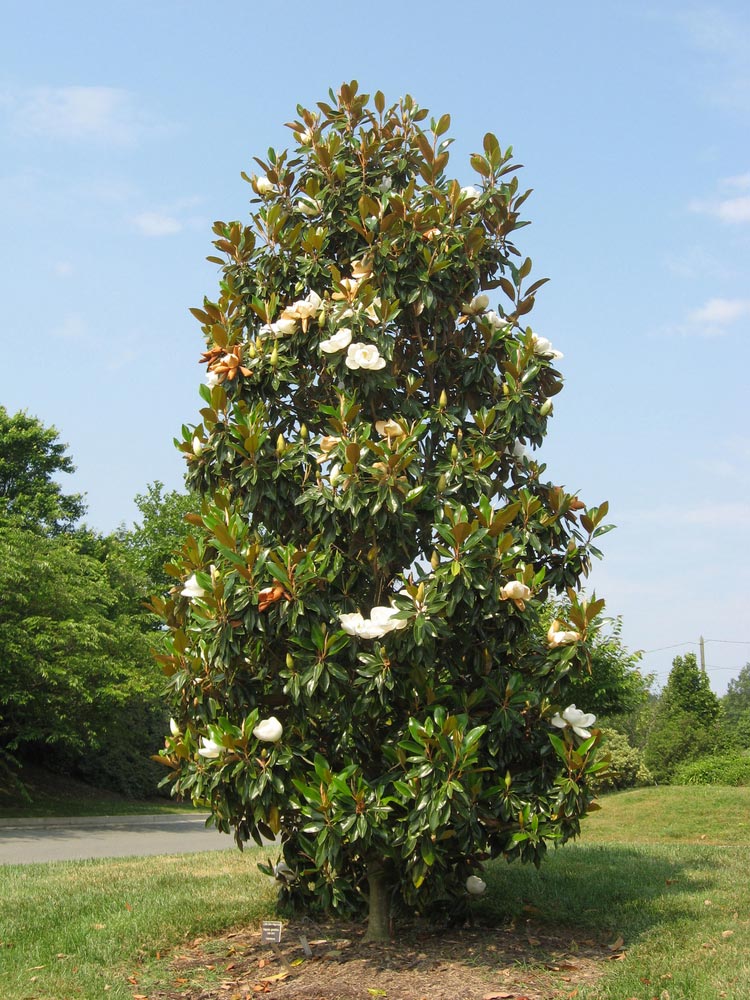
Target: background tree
[736,708]
[612,686]
[78,689]
[685,722]
[355,662]
[161,531]
[30,456]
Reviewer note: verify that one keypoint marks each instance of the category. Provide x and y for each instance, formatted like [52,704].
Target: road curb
[147,819]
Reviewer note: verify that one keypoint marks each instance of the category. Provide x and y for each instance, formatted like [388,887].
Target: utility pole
[703,656]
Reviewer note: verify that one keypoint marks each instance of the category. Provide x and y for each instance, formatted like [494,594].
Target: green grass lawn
[49,794]
[665,869]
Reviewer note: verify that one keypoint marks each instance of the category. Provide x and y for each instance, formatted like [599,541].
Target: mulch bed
[512,963]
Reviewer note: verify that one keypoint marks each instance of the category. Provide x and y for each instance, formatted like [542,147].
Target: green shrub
[715,769]
[626,765]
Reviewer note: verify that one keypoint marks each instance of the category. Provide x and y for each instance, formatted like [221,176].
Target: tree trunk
[378,924]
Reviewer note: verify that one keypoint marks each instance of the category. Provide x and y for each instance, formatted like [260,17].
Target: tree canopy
[354,649]
[30,457]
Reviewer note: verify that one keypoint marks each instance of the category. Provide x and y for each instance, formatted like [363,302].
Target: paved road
[107,837]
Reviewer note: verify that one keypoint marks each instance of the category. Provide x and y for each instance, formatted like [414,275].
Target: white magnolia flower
[373,310]
[282,872]
[283,327]
[351,622]
[381,621]
[328,442]
[263,185]
[496,321]
[192,588]
[543,347]
[304,310]
[363,628]
[362,270]
[304,138]
[514,590]
[389,428]
[341,339]
[334,475]
[210,748]
[471,192]
[308,206]
[212,379]
[477,305]
[385,617]
[348,288]
[519,450]
[577,720]
[475,886]
[558,636]
[366,356]
[563,638]
[268,730]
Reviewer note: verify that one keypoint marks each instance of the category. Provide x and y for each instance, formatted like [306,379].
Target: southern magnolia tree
[355,647]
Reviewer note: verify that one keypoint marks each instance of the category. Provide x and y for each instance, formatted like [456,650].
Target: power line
[691,642]
[676,644]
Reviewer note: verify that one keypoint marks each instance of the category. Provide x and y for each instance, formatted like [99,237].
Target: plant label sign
[270,931]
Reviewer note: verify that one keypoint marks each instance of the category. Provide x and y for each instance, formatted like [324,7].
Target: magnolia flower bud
[454,452]
[252,351]
[443,401]
[210,749]
[263,185]
[268,730]
[274,358]
[435,559]
[514,590]
[192,588]
[546,407]
[303,432]
[475,886]
[290,661]
[174,728]
[197,446]
[280,445]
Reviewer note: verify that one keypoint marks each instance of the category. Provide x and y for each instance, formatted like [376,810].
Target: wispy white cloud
[697,261]
[713,319]
[73,329]
[723,36]
[157,224]
[102,114]
[719,312]
[734,211]
[740,182]
[166,220]
[734,515]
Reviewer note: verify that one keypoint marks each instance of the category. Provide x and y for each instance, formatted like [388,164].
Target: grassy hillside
[658,884]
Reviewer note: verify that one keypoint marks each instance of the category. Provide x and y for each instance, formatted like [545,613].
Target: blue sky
[124,127]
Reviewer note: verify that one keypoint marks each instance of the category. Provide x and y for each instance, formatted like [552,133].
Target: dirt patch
[511,963]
